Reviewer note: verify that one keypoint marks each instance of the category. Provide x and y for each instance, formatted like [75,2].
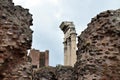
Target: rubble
[15,40]
[54,73]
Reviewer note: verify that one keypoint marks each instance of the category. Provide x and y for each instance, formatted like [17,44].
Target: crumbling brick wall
[39,59]
[98,55]
[15,40]
[54,73]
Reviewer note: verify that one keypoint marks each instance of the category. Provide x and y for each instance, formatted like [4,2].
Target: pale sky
[48,15]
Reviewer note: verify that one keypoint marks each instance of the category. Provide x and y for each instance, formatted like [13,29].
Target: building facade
[39,59]
[70,35]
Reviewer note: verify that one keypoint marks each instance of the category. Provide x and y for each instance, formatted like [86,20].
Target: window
[34,66]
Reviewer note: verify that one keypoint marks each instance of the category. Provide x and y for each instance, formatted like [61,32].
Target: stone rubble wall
[15,40]
[53,73]
[98,55]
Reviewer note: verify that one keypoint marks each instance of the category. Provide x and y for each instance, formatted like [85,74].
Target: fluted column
[73,49]
[69,31]
[65,52]
[68,51]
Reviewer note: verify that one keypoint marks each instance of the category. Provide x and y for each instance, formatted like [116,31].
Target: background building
[39,59]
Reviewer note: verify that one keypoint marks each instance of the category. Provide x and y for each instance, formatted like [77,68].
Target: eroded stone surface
[69,42]
[54,73]
[98,55]
[15,40]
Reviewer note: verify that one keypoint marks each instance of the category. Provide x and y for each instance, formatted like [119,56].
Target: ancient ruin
[15,40]
[39,59]
[98,54]
[69,43]
[54,73]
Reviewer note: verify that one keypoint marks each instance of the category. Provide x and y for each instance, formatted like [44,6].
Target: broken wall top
[98,55]
[15,40]
[15,23]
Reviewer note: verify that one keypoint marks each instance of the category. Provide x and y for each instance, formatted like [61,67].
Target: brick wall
[39,59]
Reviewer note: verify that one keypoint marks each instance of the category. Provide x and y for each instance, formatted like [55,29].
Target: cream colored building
[70,35]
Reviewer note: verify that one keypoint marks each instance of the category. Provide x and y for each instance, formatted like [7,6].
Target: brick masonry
[39,59]
[15,40]
[98,55]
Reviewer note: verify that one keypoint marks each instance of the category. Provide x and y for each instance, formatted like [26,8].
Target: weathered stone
[98,55]
[54,73]
[15,40]
[69,31]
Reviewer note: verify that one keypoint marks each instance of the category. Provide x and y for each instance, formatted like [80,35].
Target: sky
[49,14]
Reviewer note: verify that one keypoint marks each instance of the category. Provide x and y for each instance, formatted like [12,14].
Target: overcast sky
[48,15]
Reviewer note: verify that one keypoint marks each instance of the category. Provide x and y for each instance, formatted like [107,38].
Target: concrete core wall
[15,40]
